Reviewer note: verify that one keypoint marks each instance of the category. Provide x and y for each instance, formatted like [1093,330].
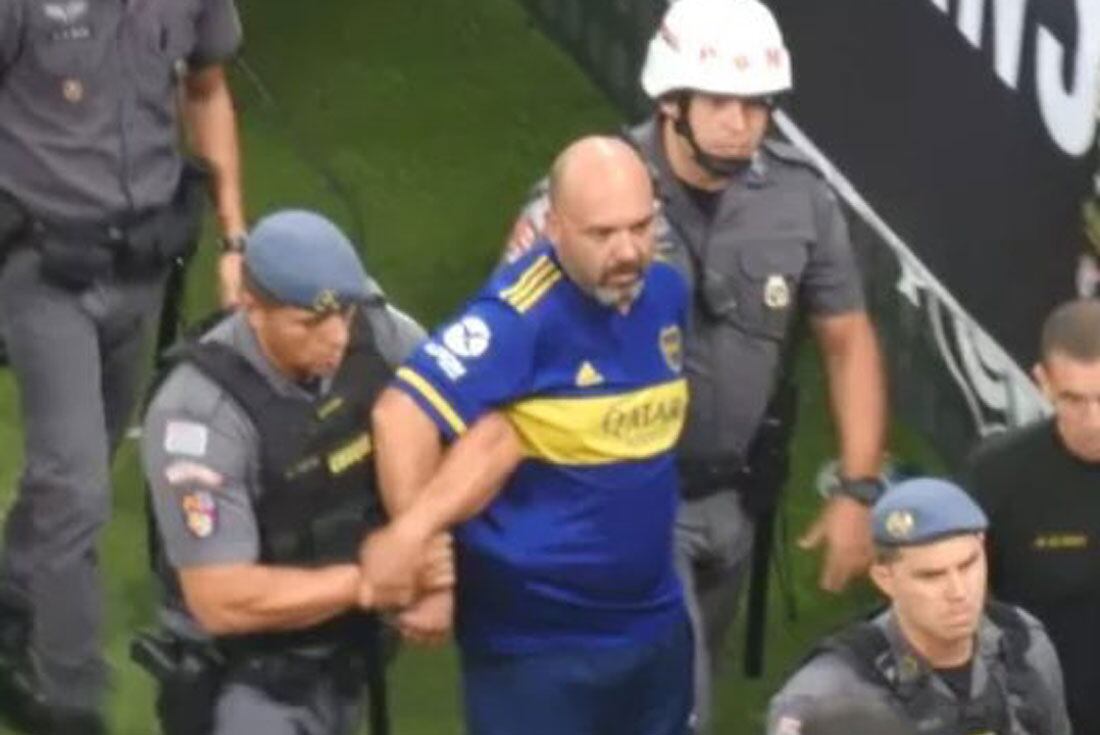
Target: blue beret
[300,258]
[924,509]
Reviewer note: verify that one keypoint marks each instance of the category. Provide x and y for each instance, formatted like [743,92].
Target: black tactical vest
[318,496]
[1014,698]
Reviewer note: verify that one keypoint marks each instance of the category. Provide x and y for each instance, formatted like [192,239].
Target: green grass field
[437,114]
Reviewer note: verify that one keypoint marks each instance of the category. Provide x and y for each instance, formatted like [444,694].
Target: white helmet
[729,47]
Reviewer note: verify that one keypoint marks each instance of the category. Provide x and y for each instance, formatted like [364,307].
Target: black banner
[968,126]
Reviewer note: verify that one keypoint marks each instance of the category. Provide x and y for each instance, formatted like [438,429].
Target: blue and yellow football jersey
[577,549]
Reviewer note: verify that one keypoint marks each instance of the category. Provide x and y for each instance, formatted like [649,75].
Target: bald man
[559,390]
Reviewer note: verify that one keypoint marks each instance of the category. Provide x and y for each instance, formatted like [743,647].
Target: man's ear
[883,578]
[1042,379]
[552,228]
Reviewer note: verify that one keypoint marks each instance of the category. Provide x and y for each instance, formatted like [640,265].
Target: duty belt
[701,478]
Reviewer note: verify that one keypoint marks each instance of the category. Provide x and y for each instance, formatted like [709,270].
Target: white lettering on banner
[1070,112]
[1067,104]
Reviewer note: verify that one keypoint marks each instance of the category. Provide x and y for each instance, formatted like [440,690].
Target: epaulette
[531,284]
[792,155]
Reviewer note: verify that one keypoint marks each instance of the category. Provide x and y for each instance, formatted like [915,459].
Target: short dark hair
[1073,330]
[885,554]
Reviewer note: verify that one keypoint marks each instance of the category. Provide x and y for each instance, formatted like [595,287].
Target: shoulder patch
[532,284]
[200,513]
[184,472]
[188,438]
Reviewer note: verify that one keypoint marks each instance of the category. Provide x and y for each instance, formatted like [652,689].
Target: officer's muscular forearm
[246,598]
[212,133]
[857,390]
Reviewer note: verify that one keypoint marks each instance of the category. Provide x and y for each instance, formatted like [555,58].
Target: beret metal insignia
[899,524]
[326,301]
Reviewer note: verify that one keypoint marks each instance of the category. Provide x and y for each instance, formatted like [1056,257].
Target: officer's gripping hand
[394,561]
[523,235]
[844,528]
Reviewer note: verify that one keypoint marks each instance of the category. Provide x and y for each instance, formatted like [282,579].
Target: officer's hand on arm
[392,560]
[524,234]
[528,226]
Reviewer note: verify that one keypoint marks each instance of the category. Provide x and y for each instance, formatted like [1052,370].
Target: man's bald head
[601,218]
[594,162]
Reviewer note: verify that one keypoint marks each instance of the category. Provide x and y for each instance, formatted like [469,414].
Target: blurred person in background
[96,203]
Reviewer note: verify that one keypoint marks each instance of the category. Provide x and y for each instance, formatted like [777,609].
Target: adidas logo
[587,375]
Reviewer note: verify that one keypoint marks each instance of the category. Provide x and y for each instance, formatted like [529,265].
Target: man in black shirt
[1040,486]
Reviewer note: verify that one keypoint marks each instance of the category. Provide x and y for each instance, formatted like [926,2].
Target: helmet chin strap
[724,168]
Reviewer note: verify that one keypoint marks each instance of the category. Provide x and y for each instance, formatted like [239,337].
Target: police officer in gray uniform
[257,451]
[94,203]
[941,655]
[758,235]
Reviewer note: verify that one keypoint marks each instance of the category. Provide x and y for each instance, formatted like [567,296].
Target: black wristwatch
[233,243]
[864,489]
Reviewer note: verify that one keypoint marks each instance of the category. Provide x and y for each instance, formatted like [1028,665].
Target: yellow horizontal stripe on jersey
[432,396]
[529,278]
[533,298]
[603,429]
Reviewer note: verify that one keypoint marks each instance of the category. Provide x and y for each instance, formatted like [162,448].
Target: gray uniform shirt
[828,678]
[201,452]
[777,242]
[88,98]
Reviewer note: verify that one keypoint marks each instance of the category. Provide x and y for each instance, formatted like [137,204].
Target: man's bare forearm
[473,471]
[408,449]
[212,132]
[442,489]
[857,391]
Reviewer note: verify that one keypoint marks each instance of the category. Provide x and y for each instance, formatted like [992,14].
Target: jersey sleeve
[478,362]
[198,467]
[831,284]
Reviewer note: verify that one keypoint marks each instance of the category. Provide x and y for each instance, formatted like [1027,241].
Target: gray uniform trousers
[713,545]
[77,361]
[244,710]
